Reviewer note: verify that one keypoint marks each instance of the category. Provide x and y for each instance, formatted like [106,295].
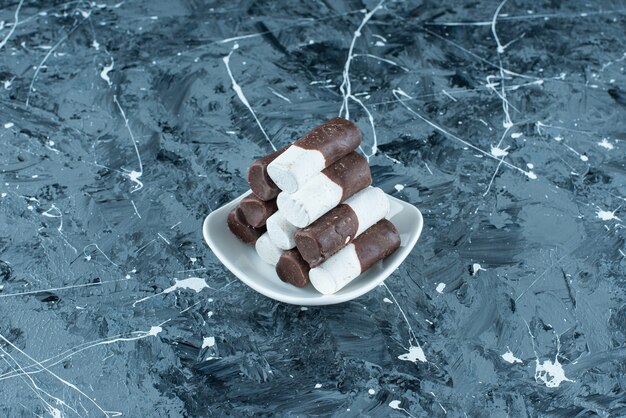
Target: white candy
[370,206]
[336,272]
[295,167]
[311,201]
[281,231]
[266,249]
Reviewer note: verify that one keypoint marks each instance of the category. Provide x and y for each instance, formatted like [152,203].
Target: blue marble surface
[123,124]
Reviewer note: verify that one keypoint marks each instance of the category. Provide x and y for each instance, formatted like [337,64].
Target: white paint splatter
[399,187]
[96,45]
[606,215]
[154,331]
[386,300]
[510,358]
[104,74]
[192,283]
[318,385]
[208,342]
[440,287]
[516,135]
[530,165]
[550,373]
[499,152]
[394,405]
[9,125]
[476,268]
[584,157]
[371,392]
[196,284]
[414,354]
[606,144]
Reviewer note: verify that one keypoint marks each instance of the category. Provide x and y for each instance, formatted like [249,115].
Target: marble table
[123,124]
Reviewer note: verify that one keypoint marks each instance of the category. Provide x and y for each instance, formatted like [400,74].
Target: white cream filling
[370,206]
[313,200]
[295,167]
[266,249]
[336,272]
[281,231]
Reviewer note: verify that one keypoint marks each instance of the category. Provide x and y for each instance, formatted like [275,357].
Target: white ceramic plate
[243,261]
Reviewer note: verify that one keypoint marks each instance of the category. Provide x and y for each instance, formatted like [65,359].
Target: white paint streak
[277,94]
[17,15]
[399,92]
[135,207]
[414,350]
[241,96]
[132,175]
[346,86]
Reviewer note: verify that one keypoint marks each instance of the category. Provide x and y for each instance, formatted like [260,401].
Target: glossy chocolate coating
[292,268]
[352,173]
[260,182]
[334,139]
[256,211]
[376,243]
[327,235]
[238,226]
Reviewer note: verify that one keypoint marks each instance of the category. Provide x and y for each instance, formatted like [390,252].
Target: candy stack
[313,213]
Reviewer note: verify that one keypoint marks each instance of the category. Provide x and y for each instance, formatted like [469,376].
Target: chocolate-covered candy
[240,228]
[318,149]
[341,225]
[259,180]
[326,190]
[292,268]
[256,211]
[375,244]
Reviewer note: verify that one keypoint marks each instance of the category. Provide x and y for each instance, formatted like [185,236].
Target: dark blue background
[536,198]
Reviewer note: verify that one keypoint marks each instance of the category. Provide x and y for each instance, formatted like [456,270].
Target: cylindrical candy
[340,226]
[326,190]
[292,268]
[375,244]
[260,182]
[266,249]
[238,226]
[309,155]
[256,211]
[281,231]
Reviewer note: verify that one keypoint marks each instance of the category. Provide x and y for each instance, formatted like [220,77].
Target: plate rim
[323,299]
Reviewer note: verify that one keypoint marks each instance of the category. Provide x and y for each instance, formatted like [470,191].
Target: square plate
[243,261]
